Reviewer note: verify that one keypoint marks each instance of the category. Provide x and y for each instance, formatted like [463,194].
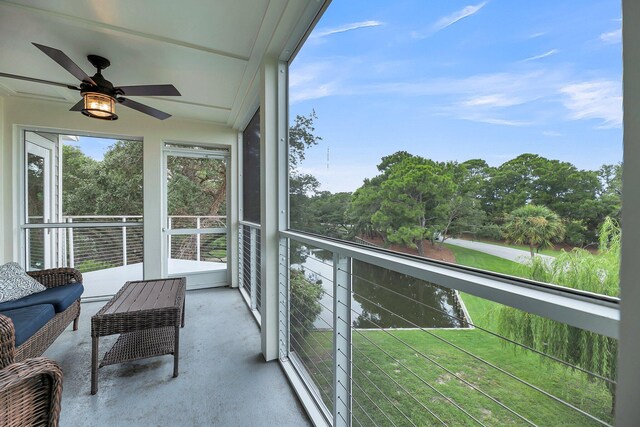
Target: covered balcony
[285,325]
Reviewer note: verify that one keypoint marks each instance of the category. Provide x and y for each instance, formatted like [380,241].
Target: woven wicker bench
[37,344]
[148,315]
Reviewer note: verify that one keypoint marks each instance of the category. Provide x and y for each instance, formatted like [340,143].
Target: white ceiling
[210,50]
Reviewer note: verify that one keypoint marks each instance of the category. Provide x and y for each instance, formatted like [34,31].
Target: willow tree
[582,270]
[534,226]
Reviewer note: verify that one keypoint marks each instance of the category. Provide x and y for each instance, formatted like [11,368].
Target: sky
[92,146]
[457,80]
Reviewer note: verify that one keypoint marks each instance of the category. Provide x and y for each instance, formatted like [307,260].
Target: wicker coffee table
[148,315]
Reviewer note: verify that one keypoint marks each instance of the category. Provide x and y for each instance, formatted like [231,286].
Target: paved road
[511,254]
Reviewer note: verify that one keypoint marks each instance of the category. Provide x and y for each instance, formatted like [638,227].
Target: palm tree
[535,226]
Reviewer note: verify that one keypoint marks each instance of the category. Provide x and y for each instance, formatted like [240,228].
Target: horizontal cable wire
[465,320]
[610,381]
[422,380]
[526,383]
[381,370]
[382,393]
[392,379]
[306,354]
[318,371]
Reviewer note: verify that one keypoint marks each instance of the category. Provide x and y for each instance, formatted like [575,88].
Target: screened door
[196,222]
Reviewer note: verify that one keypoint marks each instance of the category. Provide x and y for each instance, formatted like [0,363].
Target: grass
[477,259]
[546,251]
[394,382]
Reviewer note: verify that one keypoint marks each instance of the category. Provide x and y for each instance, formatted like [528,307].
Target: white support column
[270,200]
[628,390]
[342,341]
[234,255]
[153,247]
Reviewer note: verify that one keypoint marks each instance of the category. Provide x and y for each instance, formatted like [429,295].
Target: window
[251,170]
[486,135]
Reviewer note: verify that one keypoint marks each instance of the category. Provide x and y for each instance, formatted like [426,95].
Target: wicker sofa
[31,390]
[37,320]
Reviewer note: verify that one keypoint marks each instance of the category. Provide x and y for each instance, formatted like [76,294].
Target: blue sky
[92,147]
[456,80]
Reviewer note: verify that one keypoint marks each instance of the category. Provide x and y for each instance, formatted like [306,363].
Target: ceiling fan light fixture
[99,106]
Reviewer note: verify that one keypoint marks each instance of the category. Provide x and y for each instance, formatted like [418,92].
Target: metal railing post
[198,239]
[124,242]
[241,256]
[283,298]
[342,340]
[169,236]
[253,267]
[72,259]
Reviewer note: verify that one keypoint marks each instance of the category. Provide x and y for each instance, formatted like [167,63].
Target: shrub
[304,302]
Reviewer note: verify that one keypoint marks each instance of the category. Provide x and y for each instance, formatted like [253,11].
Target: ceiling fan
[99,96]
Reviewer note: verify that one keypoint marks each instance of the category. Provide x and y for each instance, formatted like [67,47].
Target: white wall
[50,115]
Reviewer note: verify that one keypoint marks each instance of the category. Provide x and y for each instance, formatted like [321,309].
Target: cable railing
[249,260]
[97,242]
[378,347]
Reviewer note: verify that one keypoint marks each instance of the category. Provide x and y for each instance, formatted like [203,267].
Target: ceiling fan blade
[65,62]
[31,79]
[144,108]
[150,90]
[78,107]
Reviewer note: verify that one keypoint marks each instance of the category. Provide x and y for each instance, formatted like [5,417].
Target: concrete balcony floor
[223,378]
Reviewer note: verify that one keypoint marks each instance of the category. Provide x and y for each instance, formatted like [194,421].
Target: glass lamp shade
[99,106]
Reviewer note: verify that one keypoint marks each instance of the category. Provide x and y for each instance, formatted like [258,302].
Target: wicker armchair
[30,391]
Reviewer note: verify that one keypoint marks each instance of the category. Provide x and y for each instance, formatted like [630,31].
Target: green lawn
[476,259]
[401,383]
[546,251]
[481,310]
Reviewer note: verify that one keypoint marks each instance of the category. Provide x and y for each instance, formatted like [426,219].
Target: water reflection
[380,294]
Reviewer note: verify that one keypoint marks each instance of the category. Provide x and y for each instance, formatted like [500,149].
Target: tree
[581,270]
[329,213]
[301,186]
[80,188]
[535,226]
[404,203]
[120,180]
[305,303]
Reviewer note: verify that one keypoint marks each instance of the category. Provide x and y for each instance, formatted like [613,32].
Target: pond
[383,298]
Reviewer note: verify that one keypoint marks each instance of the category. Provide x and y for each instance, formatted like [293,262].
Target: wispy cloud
[465,12]
[612,36]
[542,55]
[344,28]
[536,35]
[551,133]
[494,100]
[497,121]
[598,99]
[449,20]
[313,81]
